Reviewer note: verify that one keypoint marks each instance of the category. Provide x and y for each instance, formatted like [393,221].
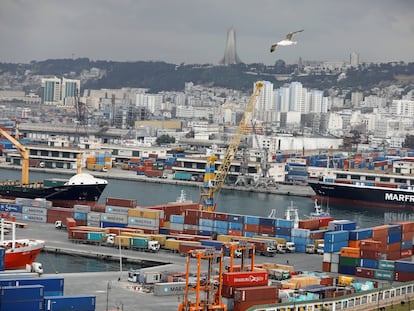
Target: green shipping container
[386,265]
[139,242]
[348,261]
[384,275]
[95,236]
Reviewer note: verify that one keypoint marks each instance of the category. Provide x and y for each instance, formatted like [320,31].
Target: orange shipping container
[351,252]
[355,244]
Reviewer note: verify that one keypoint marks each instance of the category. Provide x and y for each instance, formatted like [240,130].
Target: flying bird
[286,41]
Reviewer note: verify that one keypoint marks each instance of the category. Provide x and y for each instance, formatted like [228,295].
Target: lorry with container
[144,277]
[182,176]
[312,248]
[264,247]
[154,173]
[144,244]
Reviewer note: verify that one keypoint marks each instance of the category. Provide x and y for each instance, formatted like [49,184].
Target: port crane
[214,180]
[24,152]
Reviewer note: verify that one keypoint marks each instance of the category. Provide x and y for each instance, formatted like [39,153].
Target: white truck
[290,247]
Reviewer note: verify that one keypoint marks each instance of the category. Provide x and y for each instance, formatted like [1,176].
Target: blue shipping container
[79,303]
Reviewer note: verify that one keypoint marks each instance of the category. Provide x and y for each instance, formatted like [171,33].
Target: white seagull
[286,41]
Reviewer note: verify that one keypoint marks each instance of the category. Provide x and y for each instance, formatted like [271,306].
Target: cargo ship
[19,252]
[372,189]
[81,188]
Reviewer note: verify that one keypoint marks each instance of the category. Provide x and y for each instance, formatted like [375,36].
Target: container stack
[41,294]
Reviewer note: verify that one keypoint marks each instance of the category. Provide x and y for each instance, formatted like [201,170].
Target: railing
[369,300]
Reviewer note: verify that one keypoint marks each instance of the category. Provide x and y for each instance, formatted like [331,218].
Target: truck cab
[153,246]
[310,249]
[290,247]
[320,249]
[281,248]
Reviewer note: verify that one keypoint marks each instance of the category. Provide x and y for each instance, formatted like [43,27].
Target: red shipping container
[326,266]
[364,272]
[191,219]
[244,305]
[235,232]
[324,221]
[406,226]
[393,247]
[379,232]
[253,278]
[403,276]
[394,255]
[251,228]
[407,236]
[327,281]
[370,245]
[99,208]
[266,230]
[311,224]
[370,254]
[132,203]
[406,253]
[316,235]
[191,231]
[256,293]
[206,215]
[221,216]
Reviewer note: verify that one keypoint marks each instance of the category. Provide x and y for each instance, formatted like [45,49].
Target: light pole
[120,256]
[108,287]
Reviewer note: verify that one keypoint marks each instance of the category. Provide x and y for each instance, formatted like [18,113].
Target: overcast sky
[194,31]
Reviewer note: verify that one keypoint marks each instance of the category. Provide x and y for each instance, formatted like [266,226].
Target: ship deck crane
[214,182]
[24,152]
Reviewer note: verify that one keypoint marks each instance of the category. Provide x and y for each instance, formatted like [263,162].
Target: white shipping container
[190,227]
[94,216]
[24,201]
[116,218]
[334,267]
[117,209]
[31,210]
[335,258]
[79,208]
[40,202]
[34,218]
[169,289]
[177,227]
[92,223]
[327,257]
[146,223]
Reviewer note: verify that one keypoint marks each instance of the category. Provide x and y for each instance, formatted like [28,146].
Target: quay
[120,174]
[114,292]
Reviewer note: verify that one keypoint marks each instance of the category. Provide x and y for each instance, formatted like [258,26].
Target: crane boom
[212,186]
[24,152]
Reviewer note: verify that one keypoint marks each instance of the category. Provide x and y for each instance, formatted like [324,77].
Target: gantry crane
[246,249]
[213,183]
[206,287]
[24,152]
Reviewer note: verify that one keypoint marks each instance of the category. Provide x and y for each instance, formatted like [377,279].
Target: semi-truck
[144,244]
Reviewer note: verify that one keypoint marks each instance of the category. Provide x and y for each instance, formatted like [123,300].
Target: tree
[165,139]
[409,141]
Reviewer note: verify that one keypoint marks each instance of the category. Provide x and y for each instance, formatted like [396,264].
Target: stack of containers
[145,218]
[236,280]
[2,255]
[80,214]
[206,223]
[407,235]
[28,298]
[94,219]
[191,218]
[404,271]
[176,224]
[220,224]
[35,214]
[283,229]
[59,213]
[247,297]
[235,226]
[251,226]
[333,242]
[301,238]
[15,210]
[267,226]
[394,238]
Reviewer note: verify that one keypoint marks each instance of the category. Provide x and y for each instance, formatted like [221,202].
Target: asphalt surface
[112,289]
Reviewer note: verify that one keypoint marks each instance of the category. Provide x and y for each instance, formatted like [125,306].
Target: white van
[320,248]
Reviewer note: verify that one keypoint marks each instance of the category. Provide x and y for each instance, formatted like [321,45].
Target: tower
[230,54]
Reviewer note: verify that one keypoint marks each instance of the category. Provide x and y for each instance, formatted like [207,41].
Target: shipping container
[64,303]
[253,278]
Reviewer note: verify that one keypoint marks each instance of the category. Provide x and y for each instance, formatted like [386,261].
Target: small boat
[19,252]
[319,212]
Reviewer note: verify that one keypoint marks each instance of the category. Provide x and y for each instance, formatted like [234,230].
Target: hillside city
[332,104]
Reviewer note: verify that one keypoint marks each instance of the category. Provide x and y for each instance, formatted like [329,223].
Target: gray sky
[194,31]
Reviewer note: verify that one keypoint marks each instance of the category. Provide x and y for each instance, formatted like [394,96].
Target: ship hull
[64,195]
[18,258]
[377,197]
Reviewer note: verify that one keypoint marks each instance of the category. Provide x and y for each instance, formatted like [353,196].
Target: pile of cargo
[45,293]
[376,252]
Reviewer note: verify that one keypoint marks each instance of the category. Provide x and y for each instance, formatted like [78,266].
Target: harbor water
[228,201]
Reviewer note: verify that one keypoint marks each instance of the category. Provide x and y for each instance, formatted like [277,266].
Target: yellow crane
[24,152]
[214,182]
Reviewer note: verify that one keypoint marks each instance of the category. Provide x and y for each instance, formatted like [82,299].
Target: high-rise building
[230,54]
[56,91]
[354,59]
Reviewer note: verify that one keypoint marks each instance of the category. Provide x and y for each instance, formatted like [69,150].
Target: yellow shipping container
[223,238]
[124,240]
[159,237]
[90,160]
[144,213]
[278,240]
[173,244]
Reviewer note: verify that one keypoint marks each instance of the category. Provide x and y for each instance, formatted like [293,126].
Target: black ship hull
[370,196]
[80,189]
